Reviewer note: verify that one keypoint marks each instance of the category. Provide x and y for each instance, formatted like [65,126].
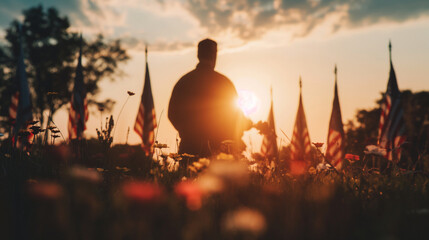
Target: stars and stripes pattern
[146,119]
[300,143]
[78,114]
[20,109]
[335,146]
[13,108]
[391,132]
[269,147]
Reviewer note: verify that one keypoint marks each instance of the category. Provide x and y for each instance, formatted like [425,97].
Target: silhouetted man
[202,108]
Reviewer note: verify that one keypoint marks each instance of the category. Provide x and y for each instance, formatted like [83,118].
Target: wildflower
[172,165]
[312,170]
[192,169]
[130,93]
[272,165]
[141,191]
[204,161]
[198,165]
[352,157]
[230,171]
[55,130]
[245,220]
[160,145]
[188,155]
[375,150]
[191,192]
[210,184]
[32,122]
[45,190]
[322,167]
[175,156]
[89,175]
[318,145]
[35,129]
[298,167]
[253,167]
[125,169]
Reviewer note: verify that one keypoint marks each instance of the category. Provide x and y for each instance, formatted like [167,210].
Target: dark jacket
[202,108]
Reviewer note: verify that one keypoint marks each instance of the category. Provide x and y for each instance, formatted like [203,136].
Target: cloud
[92,15]
[137,44]
[180,23]
[251,19]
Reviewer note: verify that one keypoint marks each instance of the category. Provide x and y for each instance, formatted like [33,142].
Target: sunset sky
[260,44]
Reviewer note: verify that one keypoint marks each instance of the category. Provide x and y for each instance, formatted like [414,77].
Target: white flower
[210,184]
[172,165]
[322,167]
[230,171]
[375,150]
[253,167]
[85,174]
[245,220]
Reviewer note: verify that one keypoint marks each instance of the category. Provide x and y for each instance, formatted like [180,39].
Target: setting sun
[248,102]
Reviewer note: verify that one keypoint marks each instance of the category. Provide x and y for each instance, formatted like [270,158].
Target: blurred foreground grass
[120,194]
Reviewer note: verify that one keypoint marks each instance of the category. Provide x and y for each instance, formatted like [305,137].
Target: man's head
[207,51]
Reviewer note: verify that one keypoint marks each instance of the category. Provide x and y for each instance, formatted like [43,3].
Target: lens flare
[248,102]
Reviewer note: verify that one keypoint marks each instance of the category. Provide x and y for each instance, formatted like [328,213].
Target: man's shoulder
[190,75]
[221,76]
[198,76]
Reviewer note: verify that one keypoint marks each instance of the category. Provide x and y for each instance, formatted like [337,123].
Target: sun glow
[248,102]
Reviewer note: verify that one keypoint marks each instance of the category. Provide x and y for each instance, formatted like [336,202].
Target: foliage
[105,135]
[222,200]
[364,131]
[51,50]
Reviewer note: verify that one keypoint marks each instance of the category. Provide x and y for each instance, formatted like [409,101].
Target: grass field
[118,193]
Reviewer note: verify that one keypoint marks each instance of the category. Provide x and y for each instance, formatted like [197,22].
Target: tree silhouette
[364,131]
[51,54]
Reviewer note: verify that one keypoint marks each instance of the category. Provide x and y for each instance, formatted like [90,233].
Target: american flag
[78,114]
[269,143]
[20,109]
[146,120]
[300,143]
[391,132]
[335,146]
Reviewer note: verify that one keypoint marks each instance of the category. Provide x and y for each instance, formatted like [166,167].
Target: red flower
[141,191]
[352,157]
[46,190]
[298,167]
[318,145]
[192,194]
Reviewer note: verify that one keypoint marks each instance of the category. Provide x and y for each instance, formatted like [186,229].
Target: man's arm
[174,108]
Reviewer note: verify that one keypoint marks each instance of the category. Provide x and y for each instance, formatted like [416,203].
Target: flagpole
[145,51]
[390,51]
[335,72]
[324,157]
